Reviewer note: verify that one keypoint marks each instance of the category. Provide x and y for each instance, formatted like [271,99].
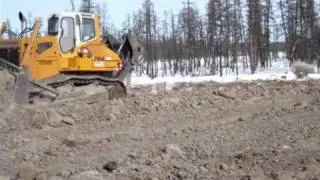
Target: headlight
[107,58]
[85,52]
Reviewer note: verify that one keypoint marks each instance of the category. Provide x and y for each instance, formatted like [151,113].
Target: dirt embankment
[266,130]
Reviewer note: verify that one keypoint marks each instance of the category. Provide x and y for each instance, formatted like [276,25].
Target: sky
[117,9]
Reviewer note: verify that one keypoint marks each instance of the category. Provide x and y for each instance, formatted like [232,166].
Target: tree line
[232,36]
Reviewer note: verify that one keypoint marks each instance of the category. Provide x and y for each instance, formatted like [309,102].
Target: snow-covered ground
[280,70]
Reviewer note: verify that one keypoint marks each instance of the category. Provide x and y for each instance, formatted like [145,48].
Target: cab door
[67,43]
[67,39]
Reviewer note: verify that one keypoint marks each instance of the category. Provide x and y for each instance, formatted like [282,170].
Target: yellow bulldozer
[73,52]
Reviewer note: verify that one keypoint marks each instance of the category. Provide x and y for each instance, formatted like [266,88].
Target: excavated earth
[240,131]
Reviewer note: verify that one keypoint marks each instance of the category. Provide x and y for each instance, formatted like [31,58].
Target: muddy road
[261,130]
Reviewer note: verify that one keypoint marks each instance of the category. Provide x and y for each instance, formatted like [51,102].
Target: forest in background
[232,34]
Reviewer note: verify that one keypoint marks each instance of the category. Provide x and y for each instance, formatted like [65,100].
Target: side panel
[46,55]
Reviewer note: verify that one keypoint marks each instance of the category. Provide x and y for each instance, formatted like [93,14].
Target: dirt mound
[272,165]
[6,90]
[262,130]
[6,96]
[97,108]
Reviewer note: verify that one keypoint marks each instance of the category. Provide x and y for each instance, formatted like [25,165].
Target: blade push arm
[26,55]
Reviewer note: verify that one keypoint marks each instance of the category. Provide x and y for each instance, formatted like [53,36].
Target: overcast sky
[118,9]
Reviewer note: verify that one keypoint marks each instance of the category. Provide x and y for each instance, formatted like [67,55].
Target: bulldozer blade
[137,51]
[131,49]
[22,89]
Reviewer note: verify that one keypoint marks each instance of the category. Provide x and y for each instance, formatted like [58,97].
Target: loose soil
[259,130]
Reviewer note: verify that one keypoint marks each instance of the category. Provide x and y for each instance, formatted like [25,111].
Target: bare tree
[104,15]
[232,33]
[255,32]
[88,6]
[103,12]
[214,14]
[298,19]
[188,27]
[265,51]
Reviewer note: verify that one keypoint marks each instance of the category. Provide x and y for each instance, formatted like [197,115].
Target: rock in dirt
[27,171]
[65,173]
[68,121]
[42,176]
[74,141]
[174,151]
[287,176]
[55,178]
[49,117]
[110,166]
[223,94]
[3,123]
[87,175]
[4,178]
[111,117]
[302,175]
[274,175]
[245,178]
[224,167]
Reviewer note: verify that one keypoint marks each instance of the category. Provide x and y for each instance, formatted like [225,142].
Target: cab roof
[72,14]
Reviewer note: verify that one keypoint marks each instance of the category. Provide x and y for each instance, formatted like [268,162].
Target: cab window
[67,39]
[87,29]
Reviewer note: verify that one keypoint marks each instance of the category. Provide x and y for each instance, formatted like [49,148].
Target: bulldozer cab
[72,29]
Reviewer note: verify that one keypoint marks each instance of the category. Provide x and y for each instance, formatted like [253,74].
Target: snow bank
[280,70]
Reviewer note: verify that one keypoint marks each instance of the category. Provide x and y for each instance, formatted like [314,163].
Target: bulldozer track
[85,81]
[51,85]
[83,98]
[115,89]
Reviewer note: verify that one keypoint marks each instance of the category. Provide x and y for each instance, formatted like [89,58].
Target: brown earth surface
[240,131]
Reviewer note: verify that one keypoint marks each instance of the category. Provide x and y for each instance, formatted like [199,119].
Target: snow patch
[280,70]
